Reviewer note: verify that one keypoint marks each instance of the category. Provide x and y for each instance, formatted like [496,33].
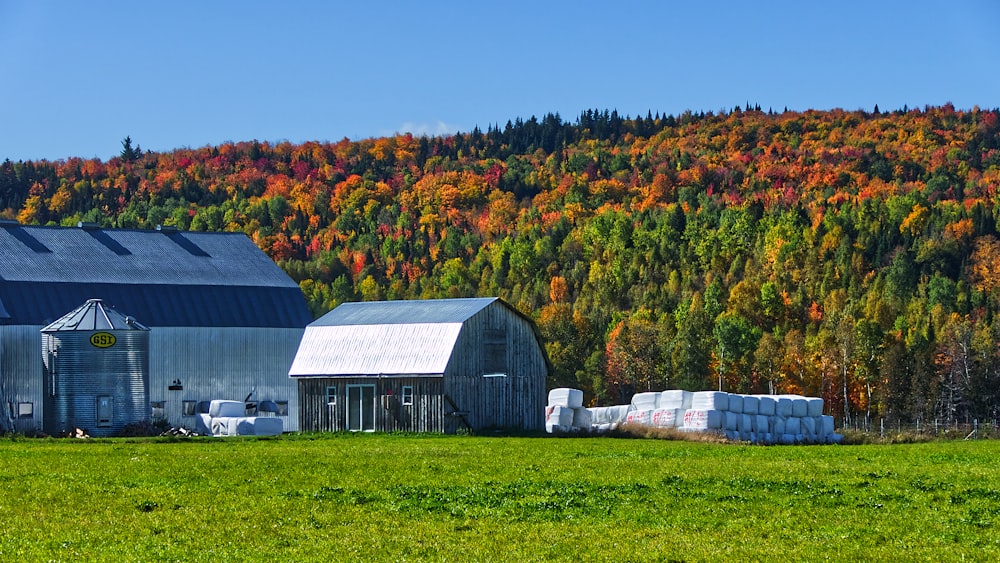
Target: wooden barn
[424,366]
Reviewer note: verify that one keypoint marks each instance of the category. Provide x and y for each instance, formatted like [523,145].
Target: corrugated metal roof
[405,312]
[163,278]
[386,349]
[93,315]
[61,254]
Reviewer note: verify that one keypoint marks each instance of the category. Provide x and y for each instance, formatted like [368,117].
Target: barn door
[361,408]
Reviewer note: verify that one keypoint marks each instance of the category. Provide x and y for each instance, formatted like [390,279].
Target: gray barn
[424,366]
[224,320]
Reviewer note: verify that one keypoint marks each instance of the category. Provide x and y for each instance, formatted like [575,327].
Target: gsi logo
[102,339]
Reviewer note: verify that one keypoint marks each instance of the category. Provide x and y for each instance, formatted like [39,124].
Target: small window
[189,408]
[282,409]
[495,352]
[407,398]
[159,409]
[331,396]
[25,410]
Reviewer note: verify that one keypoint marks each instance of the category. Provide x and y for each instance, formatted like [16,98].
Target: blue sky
[77,77]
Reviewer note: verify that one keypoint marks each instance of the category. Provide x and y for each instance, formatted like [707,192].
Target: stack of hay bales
[760,419]
[228,418]
[565,411]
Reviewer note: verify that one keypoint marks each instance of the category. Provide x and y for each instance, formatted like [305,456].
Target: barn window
[189,408]
[331,396]
[407,398]
[25,410]
[495,352]
[159,409]
[282,409]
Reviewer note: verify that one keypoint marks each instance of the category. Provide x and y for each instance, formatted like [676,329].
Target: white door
[361,408]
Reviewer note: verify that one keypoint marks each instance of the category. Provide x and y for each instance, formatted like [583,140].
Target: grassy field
[396,498]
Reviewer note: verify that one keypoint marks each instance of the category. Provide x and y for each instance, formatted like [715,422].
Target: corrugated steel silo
[96,371]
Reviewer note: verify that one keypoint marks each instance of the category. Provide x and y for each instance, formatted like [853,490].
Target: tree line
[845,254]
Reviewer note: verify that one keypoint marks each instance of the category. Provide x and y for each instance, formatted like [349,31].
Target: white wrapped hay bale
[778,425]
[600,415]
[646,401]
[566,397]
[783,406]
[826,425]
[709,401]
[703,419]
[675,399]
[226,409]
[732,420]
[808,426]
[787,439]
[668,418]
[618,414]
[733,435]
[639,417]
[800,407]
[751,404]
[765,405]
[761,424]
[558,419]
[203,424]
[793,425]
[745,423]
[582,419]
[814,406]
[735,403]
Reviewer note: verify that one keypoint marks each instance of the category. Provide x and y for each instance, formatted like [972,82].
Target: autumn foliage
[847,254]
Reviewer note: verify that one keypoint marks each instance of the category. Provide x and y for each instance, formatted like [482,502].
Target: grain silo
[96,372]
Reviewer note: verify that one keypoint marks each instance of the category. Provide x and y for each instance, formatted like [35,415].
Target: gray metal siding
[223,363]
[21,374]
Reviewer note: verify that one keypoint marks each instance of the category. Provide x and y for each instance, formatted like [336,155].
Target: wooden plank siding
[515,400]
[426,414]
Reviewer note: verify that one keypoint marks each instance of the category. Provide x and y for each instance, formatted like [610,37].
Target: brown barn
[424,366]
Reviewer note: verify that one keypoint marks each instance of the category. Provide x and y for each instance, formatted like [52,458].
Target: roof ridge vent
[88,225]
[167,228]
[9,223]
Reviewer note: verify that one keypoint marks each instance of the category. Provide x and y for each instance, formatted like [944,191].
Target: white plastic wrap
[639,417]
[668,418]
[709,401]
[735,403]
[226,409]
[766,405]
[582,419]
[783,406]
[646,401]
[814,406]
[566,397]
[699,419]
[675,399]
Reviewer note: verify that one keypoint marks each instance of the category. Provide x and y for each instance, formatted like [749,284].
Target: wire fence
[884,429]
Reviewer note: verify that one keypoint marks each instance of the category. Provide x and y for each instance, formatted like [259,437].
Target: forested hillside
[851,255]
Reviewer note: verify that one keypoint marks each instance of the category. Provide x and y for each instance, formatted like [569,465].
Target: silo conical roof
[94,315]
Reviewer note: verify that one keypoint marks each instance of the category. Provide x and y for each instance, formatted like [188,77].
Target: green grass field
[396,498]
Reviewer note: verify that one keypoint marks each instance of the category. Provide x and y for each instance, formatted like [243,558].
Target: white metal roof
[381,349]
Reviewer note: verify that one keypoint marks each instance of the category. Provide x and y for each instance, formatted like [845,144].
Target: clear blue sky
[77,77]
